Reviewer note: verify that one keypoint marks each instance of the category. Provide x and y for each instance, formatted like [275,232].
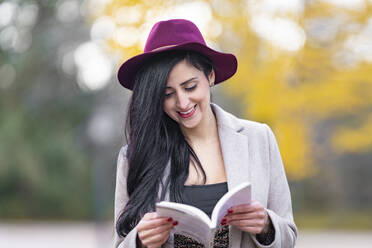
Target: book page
[237,196]
[192,222]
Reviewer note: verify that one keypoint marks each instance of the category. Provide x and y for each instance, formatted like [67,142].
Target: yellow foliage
[356,140]
[293,135]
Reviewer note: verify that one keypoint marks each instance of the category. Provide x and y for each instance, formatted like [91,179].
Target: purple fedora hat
[177,34]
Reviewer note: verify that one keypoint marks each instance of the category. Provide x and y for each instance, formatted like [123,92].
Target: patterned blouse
[221,240]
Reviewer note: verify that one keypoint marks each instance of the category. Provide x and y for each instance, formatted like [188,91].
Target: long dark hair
[155,139]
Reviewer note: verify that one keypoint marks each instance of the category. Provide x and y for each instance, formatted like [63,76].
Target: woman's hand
[251,218]
[153,231]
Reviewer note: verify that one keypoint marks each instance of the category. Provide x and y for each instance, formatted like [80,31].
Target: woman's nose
[182,101]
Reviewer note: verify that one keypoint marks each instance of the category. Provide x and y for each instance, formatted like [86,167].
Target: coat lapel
[234,146]
[235,155]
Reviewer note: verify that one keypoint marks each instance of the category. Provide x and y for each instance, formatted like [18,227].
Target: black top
[205,196]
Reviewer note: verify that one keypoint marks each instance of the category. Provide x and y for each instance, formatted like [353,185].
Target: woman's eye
[191,88]
[167,95]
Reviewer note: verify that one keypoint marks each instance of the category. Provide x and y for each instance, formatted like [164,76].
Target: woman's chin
[189,124]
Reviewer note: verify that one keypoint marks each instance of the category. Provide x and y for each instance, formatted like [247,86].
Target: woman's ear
[211,78]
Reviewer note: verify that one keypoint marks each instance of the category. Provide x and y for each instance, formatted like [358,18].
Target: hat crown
[173,32]
[171,35]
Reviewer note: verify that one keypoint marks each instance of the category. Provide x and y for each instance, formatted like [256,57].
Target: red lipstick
[189,114]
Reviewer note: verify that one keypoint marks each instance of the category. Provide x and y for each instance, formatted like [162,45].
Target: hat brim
[224,64]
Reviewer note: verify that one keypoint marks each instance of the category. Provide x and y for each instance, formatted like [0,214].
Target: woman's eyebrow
[188,80]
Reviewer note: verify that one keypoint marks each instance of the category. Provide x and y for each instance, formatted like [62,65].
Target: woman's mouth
[188,113]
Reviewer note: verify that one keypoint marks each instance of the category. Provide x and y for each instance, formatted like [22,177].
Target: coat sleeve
[121,199]
[279,206]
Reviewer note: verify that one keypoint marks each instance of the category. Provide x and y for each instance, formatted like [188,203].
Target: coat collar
[226,119]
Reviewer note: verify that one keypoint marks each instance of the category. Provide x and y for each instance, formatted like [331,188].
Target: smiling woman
[178,138]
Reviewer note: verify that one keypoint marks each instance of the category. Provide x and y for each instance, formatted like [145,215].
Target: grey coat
[250,153]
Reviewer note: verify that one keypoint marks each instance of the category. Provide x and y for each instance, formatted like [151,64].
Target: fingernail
[175,223]
[230,211]
[223,221]
[169,219]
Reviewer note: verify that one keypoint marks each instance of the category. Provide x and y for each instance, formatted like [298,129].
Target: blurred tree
[44,172]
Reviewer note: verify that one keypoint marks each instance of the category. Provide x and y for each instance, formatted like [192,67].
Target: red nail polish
[175,223]
[169,219]
[230,211]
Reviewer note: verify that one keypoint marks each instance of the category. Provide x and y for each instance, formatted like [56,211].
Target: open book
[196,224]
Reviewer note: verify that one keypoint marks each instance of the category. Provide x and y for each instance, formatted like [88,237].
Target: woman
[183,148]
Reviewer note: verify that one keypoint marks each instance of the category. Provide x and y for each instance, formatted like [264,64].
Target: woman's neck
[206,131]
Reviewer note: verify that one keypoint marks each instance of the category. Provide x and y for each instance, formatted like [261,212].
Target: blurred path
[334,239]
[90,235]
[55,234]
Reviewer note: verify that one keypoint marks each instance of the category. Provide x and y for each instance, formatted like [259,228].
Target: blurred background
[304,68]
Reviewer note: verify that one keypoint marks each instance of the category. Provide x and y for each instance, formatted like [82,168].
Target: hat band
[158,48]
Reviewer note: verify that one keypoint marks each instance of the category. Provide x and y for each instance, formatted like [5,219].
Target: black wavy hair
[154,139]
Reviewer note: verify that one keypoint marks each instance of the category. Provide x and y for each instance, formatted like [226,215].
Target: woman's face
[187,95]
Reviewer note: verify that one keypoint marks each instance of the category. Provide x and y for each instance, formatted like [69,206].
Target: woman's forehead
[182,73]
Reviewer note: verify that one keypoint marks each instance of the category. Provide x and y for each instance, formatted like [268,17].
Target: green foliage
[44,173]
